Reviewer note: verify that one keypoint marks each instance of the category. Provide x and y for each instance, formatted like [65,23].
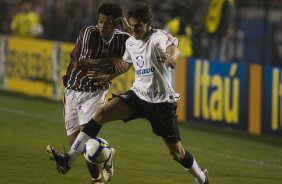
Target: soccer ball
[97,150]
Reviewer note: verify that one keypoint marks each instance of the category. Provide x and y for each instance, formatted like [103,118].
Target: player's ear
[149,23]
[116,22]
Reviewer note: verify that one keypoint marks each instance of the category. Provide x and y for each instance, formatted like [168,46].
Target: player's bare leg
[179,154]
[115,109]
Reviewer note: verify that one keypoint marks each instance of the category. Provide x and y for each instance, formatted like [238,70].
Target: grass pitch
[27,125]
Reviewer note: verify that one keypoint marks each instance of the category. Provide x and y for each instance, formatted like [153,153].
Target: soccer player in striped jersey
[82,98]
[153,53]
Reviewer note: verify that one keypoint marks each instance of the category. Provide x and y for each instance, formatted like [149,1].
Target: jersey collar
[147,35]
[109,41]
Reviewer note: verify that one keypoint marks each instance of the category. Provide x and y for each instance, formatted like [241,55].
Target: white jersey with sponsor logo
[153,80]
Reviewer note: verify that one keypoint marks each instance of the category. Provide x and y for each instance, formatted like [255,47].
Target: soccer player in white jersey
[153,53]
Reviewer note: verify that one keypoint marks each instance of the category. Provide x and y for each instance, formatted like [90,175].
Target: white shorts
[80,107]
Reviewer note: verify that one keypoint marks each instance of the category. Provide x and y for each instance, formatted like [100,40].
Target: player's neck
[147,35]
[108,38]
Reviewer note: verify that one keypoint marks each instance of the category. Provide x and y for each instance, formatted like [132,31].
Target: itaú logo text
[216,97]
[145,71]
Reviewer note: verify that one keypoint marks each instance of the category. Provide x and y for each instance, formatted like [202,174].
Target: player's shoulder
[131,41]
[89,29]
[159,33]
[120,32]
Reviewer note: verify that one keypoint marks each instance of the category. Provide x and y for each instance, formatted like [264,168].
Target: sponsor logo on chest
[143,71]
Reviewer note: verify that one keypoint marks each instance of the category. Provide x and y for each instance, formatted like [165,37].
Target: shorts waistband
[93,88]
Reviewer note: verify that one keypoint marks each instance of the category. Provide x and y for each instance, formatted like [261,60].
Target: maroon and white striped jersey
[90,45]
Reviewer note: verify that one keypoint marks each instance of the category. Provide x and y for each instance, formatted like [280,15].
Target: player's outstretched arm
[96,63]
[119,67]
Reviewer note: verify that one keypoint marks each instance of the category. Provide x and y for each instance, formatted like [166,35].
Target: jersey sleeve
[165,39]
[126,56]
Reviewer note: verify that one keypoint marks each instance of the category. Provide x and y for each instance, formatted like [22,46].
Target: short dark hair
[142,12]
[110,9]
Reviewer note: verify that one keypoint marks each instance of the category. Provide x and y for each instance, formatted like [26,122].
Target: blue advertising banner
[271,103]
[217,93]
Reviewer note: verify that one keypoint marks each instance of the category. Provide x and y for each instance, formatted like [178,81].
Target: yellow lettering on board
[216,104]
[214,98]
[231,112]
[205,92]
[197,89]
[275,99]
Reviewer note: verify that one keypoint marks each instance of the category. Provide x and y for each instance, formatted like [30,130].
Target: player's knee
[176,155]
[100,115]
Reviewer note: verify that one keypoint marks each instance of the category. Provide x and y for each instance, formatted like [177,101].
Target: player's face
[139,29]
[106,26]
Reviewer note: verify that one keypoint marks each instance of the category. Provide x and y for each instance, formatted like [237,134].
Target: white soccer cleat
[205,171]
[98,180]
[108,167]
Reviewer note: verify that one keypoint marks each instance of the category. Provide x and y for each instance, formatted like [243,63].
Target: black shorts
[162,116]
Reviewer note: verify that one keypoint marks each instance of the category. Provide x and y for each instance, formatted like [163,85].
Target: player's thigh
[115,109]
[90,104]
[71,112]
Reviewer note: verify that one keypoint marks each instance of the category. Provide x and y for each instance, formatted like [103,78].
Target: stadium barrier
[244,96]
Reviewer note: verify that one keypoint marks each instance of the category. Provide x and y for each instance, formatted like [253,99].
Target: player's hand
[123,22]
[93,63]
[170,62]
[99,77]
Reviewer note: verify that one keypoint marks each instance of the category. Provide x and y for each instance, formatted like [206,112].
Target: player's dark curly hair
[141,12]
[110,9]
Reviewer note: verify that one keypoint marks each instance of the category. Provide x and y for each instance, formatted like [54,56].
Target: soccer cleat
[205,171]
[108,167]
[61,160]
[97,181]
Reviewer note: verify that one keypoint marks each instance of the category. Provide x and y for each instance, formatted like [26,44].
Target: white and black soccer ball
[97,150]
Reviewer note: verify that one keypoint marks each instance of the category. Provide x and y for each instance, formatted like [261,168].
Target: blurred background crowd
[225,30]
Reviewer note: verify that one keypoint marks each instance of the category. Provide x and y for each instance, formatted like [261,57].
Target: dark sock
[187,161]
[92,128]
[94,170]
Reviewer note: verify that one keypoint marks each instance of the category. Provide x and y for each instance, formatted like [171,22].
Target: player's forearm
[173,55]
[120,68]
[93,63]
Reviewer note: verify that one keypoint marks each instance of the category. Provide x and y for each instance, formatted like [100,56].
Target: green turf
[27,125]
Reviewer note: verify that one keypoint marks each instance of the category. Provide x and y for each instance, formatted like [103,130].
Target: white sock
[77,146]
[196,171]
